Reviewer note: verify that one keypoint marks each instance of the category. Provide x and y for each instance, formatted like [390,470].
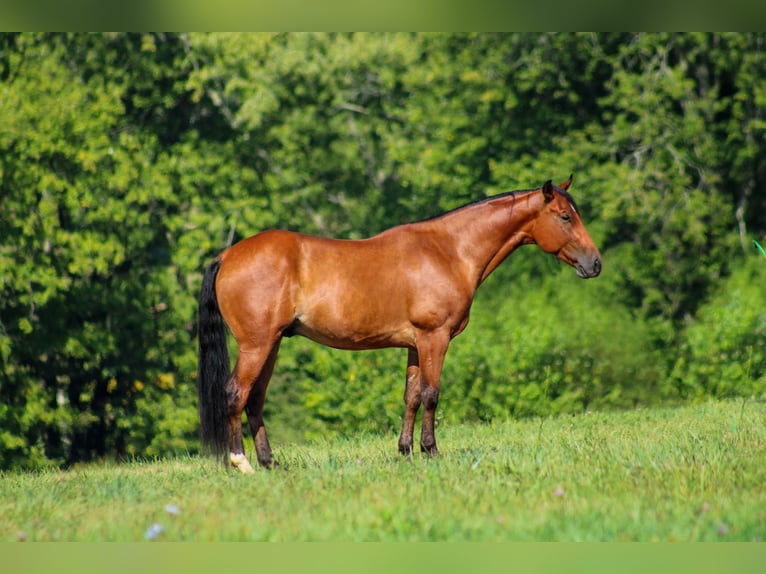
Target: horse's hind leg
[254,410]
[412,401]
[250,365]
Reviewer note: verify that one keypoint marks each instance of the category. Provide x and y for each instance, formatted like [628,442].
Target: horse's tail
[212,368]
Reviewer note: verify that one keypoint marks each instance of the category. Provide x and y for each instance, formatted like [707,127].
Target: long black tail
[212,368]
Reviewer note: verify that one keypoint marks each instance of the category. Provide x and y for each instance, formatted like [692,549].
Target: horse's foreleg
[254,410]
[431,350]
[411,402]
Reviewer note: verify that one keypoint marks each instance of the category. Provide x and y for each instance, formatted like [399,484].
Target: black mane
[556,188]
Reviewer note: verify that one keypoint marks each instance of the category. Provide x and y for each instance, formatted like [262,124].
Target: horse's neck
[489,231]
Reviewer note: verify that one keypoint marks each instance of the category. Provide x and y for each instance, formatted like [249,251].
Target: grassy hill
[693,473]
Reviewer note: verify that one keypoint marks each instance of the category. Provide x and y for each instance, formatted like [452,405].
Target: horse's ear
[565,184]
[548,191]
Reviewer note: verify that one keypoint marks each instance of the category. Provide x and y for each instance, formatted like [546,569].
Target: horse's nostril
[597,265]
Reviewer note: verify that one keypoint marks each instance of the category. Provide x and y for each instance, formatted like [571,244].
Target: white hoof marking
[240,462]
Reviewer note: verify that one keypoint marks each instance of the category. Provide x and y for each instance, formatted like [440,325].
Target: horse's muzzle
[590,269]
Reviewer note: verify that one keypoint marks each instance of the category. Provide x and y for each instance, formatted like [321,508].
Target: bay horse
[410,286]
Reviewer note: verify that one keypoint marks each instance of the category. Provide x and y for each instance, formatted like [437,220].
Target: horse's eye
[565,217]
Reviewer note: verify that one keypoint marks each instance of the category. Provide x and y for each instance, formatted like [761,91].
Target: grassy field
[694,473]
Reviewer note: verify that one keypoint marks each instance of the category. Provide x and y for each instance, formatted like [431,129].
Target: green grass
[685,474]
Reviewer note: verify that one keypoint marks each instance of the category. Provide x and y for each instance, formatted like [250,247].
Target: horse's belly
[352,336]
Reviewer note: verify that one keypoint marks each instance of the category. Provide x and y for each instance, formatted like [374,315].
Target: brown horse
[411,286]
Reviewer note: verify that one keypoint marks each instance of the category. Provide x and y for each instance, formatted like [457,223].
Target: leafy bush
[557,348]
[318,391]
[723,351]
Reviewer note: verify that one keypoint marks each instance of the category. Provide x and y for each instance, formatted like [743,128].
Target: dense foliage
[128,160]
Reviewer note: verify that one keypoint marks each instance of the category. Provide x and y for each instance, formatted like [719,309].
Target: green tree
[88,292]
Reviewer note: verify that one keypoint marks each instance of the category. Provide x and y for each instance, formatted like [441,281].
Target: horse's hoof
[429,450]
[240,462]
[270,464]
[405,450]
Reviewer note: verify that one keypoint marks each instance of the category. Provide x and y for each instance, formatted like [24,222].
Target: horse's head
[559,230]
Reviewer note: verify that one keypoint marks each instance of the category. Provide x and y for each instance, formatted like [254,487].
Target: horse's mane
[556,188]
